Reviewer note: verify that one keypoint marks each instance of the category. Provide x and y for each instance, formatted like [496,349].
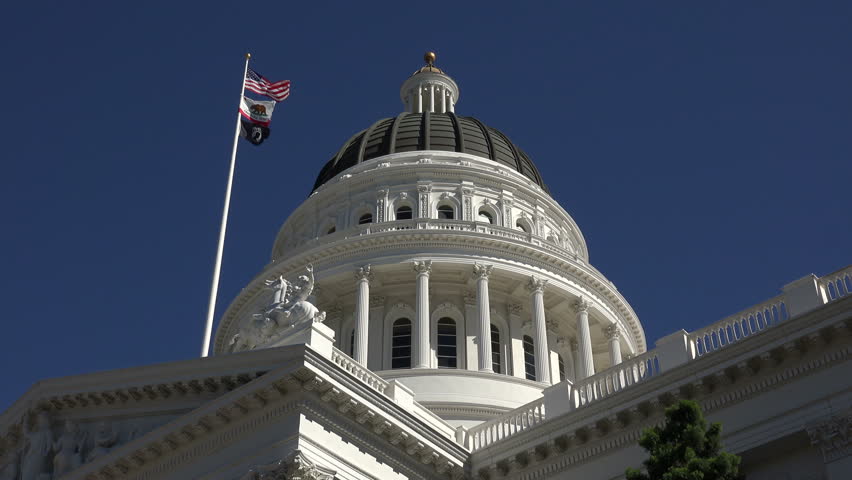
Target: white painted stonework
[484,345]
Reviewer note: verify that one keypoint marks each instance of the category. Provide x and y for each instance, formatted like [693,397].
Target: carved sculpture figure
[258,331]
[289,309]
[37,452]
[105,439]
[69,449]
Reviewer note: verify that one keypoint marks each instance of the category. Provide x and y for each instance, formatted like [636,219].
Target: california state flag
[257,111]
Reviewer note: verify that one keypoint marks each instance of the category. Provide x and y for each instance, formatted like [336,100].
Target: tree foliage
[685,449]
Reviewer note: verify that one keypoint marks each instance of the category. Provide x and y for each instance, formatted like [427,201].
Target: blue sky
[703,148]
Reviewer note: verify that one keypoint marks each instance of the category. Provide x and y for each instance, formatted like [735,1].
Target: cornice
[738,372]
[439,242]
[251,402]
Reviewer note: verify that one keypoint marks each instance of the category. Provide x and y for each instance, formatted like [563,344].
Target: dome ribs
[365,138]
[459,133]
[448,132]
[426,131]
[394,131]
[487,135]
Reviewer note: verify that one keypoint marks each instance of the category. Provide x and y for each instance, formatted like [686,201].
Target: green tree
[685,449]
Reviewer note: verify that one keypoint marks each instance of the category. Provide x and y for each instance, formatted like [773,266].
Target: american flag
[258,84]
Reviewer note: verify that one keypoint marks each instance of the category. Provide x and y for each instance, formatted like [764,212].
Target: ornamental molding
[206,429]
[363,274]
[536,285]
[377,301]
[578,274]
[581,305]
[612,332]
[515,309]
[833,436]
[295,467]
[710,380]
[423,267]
[482,271]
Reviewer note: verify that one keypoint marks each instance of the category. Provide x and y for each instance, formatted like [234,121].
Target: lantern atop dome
[429,89]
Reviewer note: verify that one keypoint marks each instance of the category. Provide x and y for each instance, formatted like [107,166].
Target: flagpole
[214,289]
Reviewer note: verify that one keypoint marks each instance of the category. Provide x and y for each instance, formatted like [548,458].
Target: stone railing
[359,371]
[836,285]
[617,378]
[514,421]
[738,326]
[436,224]
[677,349]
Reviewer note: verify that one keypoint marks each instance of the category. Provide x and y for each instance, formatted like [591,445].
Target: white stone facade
[461,332]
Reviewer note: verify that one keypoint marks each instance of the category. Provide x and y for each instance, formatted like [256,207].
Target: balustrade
[738,326]
[358,371]
[511,422]
[836,285]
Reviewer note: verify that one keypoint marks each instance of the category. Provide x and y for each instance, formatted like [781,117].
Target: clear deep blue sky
[703,148]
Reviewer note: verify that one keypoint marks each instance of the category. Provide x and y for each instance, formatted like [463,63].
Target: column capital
[536,285]
[612,332]
[832,435]
[363,273]
[481,271]
[423,267]
[581,305]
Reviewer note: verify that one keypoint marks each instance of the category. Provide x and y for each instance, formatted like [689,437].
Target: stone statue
[105,439]
[37,451]
[259,330]
[69,449]
[289,310]
[279,288]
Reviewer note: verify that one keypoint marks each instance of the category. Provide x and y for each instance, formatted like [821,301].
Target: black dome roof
[429,131]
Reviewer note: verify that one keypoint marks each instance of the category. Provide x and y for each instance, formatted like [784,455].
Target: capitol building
[431,312]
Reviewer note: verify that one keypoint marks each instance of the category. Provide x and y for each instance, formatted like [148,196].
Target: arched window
[366,218]
[485,216]
[529,357]
[447,343]
[403,213]
[495,349]
[561,367]
[446,212]
[520,225]
[401,344]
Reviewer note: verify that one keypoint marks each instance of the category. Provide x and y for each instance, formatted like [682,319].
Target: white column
[471,323]
[452,104]
[419,98]
[422,352]
[432,98]
[443,101]
[362,314]
[483,306]
[587,365]
[613,334]
[542,364]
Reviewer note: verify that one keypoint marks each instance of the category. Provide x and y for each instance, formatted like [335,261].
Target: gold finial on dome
[429,58]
